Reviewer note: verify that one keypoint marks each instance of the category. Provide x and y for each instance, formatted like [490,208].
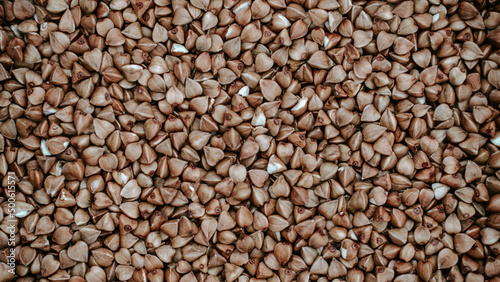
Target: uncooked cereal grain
[250,140]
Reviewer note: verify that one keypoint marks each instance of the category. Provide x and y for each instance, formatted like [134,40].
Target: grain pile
[238,140]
